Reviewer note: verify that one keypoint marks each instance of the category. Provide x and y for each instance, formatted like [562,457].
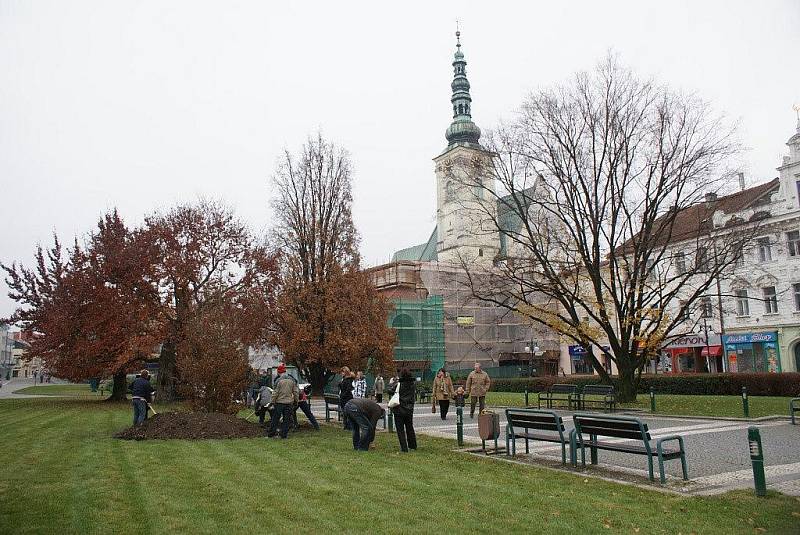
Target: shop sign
[695,340]
[750,338]
[578,352]
[465,321]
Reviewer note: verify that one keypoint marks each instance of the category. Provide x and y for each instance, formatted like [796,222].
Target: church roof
[425,252]
[507,216]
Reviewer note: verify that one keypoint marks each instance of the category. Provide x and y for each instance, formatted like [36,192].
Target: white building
[752,317]
[6,351]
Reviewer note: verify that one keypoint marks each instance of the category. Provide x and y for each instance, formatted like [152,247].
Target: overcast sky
[143,104]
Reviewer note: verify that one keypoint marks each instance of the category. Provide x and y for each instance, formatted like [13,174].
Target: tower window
[480,252]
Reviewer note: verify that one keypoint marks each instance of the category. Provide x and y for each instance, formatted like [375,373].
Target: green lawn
[80,390]
[730,406]
[64,474]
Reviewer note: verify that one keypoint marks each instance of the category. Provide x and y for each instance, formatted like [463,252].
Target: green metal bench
[558,392]
[590,428]
[603,396]
[535,424]
[332,405]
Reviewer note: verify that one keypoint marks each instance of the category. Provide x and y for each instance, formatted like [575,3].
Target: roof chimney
[741,181]
[711,197]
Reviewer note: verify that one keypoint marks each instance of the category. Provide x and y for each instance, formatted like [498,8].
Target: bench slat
[609,432]
[598,389]
[539,427]
[530,417]
[631,448]
[536,436]
[610,423]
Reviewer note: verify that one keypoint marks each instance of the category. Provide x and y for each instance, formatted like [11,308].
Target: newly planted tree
[329,314]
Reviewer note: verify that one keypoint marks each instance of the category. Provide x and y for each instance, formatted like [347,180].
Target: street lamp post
[708,348]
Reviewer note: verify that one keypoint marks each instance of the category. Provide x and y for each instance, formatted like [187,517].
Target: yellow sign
[465,321]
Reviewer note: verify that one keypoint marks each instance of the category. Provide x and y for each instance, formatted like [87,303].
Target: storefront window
[755,352]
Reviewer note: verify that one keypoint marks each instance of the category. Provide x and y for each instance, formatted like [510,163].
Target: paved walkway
[9,388]
[717,450]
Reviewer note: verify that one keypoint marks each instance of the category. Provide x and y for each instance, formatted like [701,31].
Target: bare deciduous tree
[594,182]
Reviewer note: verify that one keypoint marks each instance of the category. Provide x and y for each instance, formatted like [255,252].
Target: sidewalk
[11,386]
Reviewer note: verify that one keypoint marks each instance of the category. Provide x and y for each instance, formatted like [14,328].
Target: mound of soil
[191,425]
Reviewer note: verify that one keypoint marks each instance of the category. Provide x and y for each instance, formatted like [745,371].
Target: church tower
[465,202]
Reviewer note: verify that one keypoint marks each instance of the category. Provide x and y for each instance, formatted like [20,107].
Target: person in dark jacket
[404,413]
[285,397]
[345,392]
[363,415]
[142,392]
[305,406]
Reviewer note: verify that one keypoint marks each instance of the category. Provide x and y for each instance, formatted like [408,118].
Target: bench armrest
[669,438]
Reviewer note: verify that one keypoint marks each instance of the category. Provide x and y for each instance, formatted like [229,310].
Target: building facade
[6,351]
[437,321]
[751,321]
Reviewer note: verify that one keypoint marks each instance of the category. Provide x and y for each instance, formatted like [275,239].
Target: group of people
[361,415]
[282,402]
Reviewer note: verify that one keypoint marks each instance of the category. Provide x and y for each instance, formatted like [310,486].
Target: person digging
[142,393]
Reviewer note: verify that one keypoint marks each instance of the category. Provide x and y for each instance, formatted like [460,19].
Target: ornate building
[437,321]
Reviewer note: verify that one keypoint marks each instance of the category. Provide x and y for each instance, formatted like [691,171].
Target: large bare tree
[329,313]
[594,183]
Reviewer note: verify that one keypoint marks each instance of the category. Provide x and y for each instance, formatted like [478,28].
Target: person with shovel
[142,392]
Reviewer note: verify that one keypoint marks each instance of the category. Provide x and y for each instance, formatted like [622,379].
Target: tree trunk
[165,390]
[627,384]
[120,387]
[318,376]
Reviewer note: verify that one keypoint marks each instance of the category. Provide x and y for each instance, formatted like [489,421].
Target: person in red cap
[285,396]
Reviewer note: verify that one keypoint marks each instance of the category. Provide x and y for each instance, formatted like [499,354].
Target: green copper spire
[462,129]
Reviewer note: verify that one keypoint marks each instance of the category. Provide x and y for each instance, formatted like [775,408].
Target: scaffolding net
[419,324]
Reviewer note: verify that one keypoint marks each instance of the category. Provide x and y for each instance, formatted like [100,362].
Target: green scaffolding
[419,324]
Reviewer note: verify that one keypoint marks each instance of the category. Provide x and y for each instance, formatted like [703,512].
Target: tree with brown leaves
[329,313]
[92,312]
[207,261]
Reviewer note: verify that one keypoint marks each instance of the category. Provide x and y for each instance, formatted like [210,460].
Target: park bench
[332,405]
[603,396]
[425,395]
[590,429]
[558,392]
[535,424]
[794,406]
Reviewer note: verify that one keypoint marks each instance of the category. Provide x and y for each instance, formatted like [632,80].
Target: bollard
[526,398]
[745,402]
[391,421]
[757,458]
[652,400]
[460,425]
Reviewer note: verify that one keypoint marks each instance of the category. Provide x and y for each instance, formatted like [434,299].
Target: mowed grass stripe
[315,481]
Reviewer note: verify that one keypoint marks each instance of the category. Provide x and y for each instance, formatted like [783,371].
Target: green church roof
[425,252]
[507,216]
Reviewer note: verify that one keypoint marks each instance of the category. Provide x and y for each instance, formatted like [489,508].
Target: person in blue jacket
[142,392]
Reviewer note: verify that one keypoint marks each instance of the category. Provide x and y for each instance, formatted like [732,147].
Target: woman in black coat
[345,393]
[404,413]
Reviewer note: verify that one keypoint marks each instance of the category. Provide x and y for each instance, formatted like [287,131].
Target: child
[459,397]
